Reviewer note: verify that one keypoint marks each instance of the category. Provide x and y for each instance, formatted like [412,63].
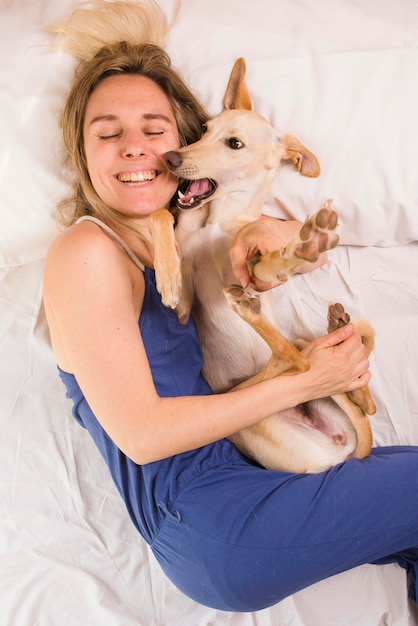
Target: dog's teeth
[180,194]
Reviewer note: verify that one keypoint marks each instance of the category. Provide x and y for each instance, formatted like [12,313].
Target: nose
[133,146]
[173,159]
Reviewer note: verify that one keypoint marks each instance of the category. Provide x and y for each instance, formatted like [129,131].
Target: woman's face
[129,125]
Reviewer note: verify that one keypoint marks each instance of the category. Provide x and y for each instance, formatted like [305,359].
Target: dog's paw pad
[317,234]
[308,251]
[337,316]
[234,291]
[326,218]
[242,301]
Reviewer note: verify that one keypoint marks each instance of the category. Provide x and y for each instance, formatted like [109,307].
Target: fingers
[239,266]
[351,349]
[340,358]
[360,381]
[252,238]
[239,254]
[361,368]
[339,335]
[352,352]
[261,285]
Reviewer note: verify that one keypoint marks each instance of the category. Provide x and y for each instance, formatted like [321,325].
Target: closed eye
[116,135]
[104,137]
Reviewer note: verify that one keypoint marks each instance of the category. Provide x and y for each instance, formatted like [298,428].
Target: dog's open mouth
[191,193]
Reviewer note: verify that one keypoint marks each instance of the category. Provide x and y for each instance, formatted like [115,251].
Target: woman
[228,533]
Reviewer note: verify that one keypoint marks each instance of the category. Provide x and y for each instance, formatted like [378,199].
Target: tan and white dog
[228,174]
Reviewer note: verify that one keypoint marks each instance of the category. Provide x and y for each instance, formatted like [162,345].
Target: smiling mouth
[137,177]
[192,193]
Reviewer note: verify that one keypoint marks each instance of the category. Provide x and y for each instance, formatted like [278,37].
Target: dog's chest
[232,350]
[209,249]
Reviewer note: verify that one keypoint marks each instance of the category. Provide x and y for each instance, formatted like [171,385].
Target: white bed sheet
[339,75]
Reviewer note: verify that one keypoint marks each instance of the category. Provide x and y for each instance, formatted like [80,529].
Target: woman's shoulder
[84,238]
[84,255]
[85,245]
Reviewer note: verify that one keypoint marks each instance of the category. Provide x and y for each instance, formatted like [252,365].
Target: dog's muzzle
[192,192]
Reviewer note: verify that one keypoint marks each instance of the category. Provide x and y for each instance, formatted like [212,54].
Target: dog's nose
[173,159]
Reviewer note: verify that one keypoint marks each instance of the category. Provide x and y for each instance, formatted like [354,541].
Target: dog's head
[240,149]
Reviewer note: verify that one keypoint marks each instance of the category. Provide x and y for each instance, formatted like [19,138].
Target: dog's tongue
[200,187]
[195,189]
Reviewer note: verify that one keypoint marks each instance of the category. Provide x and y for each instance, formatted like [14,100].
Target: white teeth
[136,177]
[181,195]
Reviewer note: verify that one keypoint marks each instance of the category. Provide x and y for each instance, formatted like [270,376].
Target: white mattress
[342,77]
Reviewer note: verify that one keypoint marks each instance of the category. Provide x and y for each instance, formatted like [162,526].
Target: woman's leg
[242,538]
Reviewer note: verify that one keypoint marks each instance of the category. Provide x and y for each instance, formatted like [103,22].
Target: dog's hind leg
[338,317]
[285,358]
[316,235]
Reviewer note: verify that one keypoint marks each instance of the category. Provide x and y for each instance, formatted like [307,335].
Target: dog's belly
[325,416]
[309,438]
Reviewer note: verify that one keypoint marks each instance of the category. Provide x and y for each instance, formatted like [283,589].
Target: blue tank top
[175,359]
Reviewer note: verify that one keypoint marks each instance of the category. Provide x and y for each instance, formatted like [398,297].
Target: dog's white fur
[241,151]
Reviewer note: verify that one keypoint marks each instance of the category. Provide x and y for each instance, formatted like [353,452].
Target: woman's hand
[337,363]
[264,235]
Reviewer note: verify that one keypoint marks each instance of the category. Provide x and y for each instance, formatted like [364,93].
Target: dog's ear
[304,160]
[237,95]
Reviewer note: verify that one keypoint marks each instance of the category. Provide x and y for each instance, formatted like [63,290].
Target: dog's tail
[101,23]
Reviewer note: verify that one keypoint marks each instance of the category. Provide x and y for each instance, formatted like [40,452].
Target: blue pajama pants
[241,538]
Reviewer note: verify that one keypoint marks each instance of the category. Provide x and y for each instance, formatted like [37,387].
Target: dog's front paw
[168,279]
[317,234]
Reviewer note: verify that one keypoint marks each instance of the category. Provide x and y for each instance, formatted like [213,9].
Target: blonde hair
[96,24]
[117,38]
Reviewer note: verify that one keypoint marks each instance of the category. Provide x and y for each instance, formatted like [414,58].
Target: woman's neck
[136,234]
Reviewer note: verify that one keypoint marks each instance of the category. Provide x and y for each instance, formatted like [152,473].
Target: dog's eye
[234,143]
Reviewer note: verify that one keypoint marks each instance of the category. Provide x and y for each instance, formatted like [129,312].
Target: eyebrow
[147,116]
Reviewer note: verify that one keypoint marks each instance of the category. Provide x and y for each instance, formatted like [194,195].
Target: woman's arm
[92,296]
